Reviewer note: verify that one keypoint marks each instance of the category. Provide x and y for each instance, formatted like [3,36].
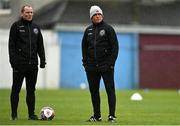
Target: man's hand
[42,65]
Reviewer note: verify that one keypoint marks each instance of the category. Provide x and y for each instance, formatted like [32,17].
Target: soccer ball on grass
[47,113]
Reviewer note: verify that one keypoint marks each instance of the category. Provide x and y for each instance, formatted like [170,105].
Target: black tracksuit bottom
[29,72]
[94,78]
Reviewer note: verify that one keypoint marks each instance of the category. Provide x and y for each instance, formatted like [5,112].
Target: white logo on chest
[102,32]
[35,30]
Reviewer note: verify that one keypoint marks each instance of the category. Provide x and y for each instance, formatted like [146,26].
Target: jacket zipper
[95,49]
[29,44]
[95,43]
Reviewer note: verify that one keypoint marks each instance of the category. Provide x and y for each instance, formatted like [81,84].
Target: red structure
[159,61]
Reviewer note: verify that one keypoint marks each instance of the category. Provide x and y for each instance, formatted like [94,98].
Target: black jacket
[25,43]
[99,46]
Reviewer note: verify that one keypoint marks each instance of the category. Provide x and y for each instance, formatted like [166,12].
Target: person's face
[97,18]
[27,14]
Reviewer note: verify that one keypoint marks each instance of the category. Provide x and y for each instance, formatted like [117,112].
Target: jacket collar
[25,21]
[98,23]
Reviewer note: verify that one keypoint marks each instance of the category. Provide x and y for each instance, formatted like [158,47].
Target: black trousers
[94,78]
[29,72]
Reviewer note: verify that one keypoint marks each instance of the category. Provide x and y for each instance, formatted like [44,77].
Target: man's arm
[41,51]
[12,45]
[114,45]
[84,49]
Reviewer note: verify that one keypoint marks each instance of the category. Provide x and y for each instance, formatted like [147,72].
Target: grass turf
[73,107]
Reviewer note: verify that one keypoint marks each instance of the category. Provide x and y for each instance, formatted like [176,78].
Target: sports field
[73,107]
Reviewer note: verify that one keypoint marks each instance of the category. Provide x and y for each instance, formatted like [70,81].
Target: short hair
[22,8]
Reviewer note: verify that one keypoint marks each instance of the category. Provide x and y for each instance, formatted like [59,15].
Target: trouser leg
[18,77]
[31,78]
[108,78]
[94,83]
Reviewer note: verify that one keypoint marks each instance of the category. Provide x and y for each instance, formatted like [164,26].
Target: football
[47,113]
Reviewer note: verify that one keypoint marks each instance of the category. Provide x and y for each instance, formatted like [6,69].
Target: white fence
[48,77]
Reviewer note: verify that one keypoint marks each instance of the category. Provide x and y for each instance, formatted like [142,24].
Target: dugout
[149,57]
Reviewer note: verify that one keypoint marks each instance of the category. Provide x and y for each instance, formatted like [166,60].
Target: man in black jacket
[25,45]
[100,51]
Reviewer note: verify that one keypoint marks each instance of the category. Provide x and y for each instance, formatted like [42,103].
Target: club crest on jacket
[102,32]
[35,30]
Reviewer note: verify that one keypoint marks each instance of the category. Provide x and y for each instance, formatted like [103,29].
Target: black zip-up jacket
[25,43]
[99,46]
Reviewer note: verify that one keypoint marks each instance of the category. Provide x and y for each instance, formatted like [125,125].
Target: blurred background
[148,32]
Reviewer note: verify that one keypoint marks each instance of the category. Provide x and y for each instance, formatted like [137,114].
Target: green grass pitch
[73,107]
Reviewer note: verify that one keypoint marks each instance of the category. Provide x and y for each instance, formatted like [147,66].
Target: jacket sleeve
[114,45]
[12,45]
[84,49]
[41,51]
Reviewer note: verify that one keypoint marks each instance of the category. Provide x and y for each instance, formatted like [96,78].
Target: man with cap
[99,52]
